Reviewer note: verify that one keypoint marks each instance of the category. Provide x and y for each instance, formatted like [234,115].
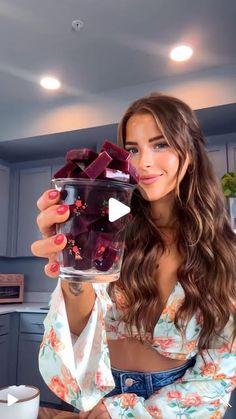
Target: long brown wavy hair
[204,237]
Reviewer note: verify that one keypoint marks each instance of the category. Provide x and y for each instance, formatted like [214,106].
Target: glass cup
[95,246]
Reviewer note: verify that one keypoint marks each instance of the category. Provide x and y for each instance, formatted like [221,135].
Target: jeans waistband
[144,384]
[175,369]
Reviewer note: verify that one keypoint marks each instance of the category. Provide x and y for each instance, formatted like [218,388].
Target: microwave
[11,288]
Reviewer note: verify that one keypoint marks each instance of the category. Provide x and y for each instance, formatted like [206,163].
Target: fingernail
[54,267]
[53,194]
[62,209]
[59,239]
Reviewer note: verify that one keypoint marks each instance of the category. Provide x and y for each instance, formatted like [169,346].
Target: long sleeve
[76,369]
[203,392]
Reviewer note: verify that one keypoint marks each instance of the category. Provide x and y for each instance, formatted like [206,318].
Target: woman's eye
[130,150]
[158,146]
[161,145]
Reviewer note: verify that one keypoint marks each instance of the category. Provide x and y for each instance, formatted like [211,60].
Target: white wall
[209,88]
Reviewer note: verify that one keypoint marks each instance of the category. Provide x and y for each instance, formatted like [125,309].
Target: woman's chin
[150,195]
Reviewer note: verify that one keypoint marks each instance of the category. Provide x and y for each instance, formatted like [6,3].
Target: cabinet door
[218,156]
[4,205]
[28,369]
[4,348]
[32,183]
[232,157]
[8,348]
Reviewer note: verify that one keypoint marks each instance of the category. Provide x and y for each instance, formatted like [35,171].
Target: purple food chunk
[134,176]
[126,167]
[115,151]
[97,166]
[66,171]
[115,175]
[84,259]
[107,261]
[81,155]
[122,165]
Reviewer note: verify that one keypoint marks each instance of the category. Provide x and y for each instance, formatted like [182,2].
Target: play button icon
[11,399]
[116,209]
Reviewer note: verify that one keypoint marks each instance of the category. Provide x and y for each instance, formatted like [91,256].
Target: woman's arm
[79,301]
[79,297]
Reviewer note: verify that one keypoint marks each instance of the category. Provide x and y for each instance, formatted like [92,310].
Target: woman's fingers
[99,412]
[84,415]
[51,213]
[48,198]
[45,248]
[47,219]
[49,247]
[52,269]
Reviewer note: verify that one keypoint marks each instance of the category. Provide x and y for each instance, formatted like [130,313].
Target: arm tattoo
[75,288]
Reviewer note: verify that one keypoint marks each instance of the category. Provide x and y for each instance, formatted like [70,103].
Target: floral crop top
[78,369]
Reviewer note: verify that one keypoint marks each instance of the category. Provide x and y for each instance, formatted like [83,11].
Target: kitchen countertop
[23,308]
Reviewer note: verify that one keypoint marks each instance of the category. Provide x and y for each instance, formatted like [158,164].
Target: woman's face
[151,155]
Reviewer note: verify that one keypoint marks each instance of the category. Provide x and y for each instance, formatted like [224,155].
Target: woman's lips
[150,180]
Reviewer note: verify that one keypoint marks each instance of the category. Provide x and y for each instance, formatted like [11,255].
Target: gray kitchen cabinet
[4,348]
[30,337]
[4,205]
[4,345]
[232,157]
[32,182]
[9,327]
[218,156]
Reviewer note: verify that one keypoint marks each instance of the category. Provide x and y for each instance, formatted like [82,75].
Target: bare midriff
[130,354]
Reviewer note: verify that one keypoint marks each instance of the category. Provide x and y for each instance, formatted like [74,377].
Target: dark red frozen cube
[81,155]
[126,167]
[113,174]
[115,152]
[69,170]
[97,166]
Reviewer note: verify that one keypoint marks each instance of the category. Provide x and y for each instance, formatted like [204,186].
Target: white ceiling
[122,43]
[120,53]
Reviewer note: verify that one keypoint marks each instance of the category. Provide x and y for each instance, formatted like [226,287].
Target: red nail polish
[54,267]
[59,239]
[62,209]
[53,194]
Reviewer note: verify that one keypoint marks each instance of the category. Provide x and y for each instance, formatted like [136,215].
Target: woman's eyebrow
[158,137]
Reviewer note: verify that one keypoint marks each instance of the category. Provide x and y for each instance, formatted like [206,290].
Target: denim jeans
[144,384]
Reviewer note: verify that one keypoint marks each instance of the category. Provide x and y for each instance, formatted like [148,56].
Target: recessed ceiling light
[181,53]
[50,83]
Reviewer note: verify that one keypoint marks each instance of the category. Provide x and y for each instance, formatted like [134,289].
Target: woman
[160,341]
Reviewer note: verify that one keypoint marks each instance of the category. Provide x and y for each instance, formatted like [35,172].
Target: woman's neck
[164,217]
[163,213]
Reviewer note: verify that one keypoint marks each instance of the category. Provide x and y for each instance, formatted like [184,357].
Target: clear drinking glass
[95,246]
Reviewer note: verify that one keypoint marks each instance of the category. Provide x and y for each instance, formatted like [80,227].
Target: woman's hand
[98,412]
[51,213]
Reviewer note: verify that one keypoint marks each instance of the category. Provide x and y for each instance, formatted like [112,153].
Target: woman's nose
[145,160]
